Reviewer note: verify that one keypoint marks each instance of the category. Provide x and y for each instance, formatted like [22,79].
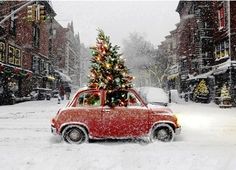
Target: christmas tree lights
[107,66]
[225,98]
[201,92]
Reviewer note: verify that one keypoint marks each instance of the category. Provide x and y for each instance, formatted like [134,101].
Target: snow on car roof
[153,94]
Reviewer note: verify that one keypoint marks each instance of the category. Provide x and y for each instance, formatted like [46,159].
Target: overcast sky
[152,19]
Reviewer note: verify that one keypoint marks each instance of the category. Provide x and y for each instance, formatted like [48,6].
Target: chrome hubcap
[75,135]
[162,134]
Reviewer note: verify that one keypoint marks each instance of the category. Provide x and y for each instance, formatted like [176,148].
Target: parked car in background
[7,97]
[94,113]
[41,94]
[55,93]
[154,95]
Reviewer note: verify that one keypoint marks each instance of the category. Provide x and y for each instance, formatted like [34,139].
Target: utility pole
[230,54]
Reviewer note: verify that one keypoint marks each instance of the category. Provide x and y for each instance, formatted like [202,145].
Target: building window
[221,17]
[11,56]
[2,52]
[41,65]
[35,64]
[36,36]
[50,46]
[222,50]
[17,57]
[14,55]
[13,24]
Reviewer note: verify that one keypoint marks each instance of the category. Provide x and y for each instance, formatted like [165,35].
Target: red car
[96,114]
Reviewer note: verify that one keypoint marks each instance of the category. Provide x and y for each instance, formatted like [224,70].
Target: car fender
[71,124]
[161,125]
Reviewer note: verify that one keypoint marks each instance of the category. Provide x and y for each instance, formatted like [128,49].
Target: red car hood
[160,109]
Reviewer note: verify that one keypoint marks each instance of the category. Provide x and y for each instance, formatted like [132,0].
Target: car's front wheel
[163,133]
[75,134]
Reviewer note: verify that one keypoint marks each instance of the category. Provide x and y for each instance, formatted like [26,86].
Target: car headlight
[177,120]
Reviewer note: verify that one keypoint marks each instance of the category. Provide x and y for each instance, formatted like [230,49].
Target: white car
[154,95]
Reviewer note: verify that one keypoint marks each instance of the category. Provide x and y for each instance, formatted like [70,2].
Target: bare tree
[145,62]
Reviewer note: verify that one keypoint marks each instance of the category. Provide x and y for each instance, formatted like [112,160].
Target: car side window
[116,98]
[121,99]
[89,99]
[132,100]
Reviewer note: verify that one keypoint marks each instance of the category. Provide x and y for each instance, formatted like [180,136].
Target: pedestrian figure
[67,91]
[61,92]
[58,99]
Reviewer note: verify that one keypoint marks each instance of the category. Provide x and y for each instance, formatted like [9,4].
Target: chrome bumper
[53,130]
[178,131]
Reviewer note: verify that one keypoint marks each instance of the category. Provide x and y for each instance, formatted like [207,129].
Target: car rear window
[89,99]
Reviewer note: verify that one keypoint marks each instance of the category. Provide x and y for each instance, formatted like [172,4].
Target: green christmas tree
[225,92]
[201,89]
[107,66]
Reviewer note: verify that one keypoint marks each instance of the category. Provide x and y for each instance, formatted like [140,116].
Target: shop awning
[201,76]
[63,76]
[222,68]
[10,70]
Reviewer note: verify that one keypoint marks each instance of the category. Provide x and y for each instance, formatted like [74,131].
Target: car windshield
[143,96]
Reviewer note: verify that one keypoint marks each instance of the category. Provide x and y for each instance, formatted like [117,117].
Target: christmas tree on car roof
[108,70]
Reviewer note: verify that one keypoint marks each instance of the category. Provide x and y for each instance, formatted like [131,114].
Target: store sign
[2,51]
[14,55]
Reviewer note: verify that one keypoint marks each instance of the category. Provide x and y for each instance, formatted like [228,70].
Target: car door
[123,119]
[89,111]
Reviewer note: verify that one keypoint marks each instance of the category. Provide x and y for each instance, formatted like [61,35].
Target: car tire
[163,133]
[75,134]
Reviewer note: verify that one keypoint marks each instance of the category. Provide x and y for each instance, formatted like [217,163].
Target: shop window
[221,17]
[2,52]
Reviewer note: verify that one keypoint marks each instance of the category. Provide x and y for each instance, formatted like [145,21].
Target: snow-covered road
[207,142]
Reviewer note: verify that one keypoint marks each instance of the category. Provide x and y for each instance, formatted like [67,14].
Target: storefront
[13,83]
[13,78]
[221,75]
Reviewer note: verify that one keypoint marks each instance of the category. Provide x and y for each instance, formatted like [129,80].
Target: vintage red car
[97,114]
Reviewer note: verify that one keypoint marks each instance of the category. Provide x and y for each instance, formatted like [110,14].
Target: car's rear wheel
[75,134]
[163,133]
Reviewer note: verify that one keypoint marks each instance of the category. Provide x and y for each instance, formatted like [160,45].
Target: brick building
[24,52]
[65,54]
[224,38]
[206,46]
[72,54]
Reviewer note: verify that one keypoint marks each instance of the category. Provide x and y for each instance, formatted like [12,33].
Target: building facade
[205,47]
[24,52]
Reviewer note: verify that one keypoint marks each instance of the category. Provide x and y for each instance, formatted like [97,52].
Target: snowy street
[208,141]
